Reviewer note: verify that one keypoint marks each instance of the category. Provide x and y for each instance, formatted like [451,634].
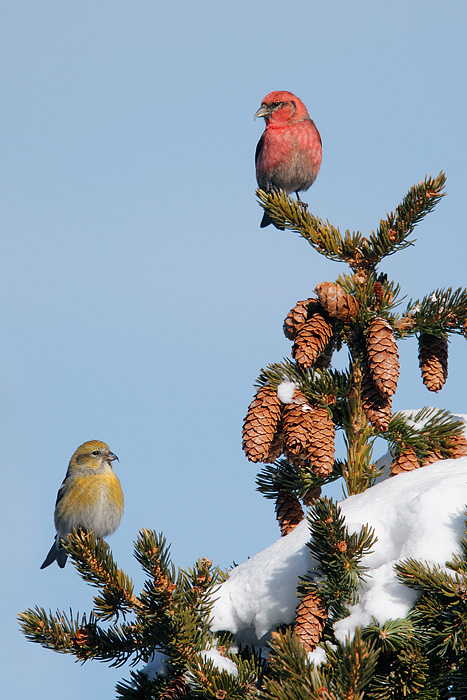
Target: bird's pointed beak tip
[113,456]
[262,112]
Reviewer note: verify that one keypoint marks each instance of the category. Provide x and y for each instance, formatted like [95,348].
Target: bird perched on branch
[90,498]
[288,154]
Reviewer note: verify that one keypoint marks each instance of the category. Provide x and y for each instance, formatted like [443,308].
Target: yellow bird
[90,497]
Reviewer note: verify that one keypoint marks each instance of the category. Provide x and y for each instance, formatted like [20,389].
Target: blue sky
[140,296]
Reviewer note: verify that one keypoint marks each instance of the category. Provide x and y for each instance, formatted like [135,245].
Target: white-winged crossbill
[288,154]
[90,498]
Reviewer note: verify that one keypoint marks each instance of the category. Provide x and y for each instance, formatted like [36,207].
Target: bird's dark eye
[95,452]
[275,104]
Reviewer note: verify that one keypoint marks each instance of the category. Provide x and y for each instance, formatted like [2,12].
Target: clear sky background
[140,298]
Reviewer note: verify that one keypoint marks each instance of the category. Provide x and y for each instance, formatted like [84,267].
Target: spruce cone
[288,512]
[311,339]
[433,360]
[320,450]
[260,424]
[301,312]
[432,457]
[458,446]
[297,423]
[406,461]
[378,291]
[175,690]
[310,619]
[299,460]
[311,496]
[337,303]
[324,360]
[383,357]
[277,446]
[377,407]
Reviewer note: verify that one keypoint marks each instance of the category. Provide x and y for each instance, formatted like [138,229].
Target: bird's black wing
[61,491]
[259,148]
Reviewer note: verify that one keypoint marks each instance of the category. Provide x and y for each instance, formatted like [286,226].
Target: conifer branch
[346,674]
[390,636]
[141,687]
[95,564]
[210,682]
[325,238]
[364,291]
[81,636]
[459,561]
[393,232]
[440,615]
[282,476]
[339,572]
[291,674]
[171,614]
[404,674]
[359,252]
[313,383]
[353,665]
[428,431]
[438,313]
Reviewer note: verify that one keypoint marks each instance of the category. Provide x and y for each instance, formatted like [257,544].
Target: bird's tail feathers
[266,220]
[55,553]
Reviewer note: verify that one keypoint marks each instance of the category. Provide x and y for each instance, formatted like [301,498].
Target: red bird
[288,154]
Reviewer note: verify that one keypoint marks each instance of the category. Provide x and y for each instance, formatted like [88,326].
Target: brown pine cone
[311,496]
[277,446]
[378,291]
[324,360]
[310,619]
[337,303]
[288,512]
[297,423]
[383,357]
[175,690]
[458,446]
[320,450]
[432,457]
[260,424]
[311,340]
[301,312]
[377,407]
[299,460]
[433,361]
[406,461]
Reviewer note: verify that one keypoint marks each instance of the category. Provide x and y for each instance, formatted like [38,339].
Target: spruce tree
[290,429]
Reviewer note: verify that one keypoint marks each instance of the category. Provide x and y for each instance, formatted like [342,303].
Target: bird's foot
[303,204]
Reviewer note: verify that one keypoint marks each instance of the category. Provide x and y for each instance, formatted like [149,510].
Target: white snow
[419,514]
[261,593]
[285,391]
[220,662]
[317,656]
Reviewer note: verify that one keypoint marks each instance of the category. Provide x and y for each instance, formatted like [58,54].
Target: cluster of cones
[304,431]
[284,421]
[407,460]
[310,324]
